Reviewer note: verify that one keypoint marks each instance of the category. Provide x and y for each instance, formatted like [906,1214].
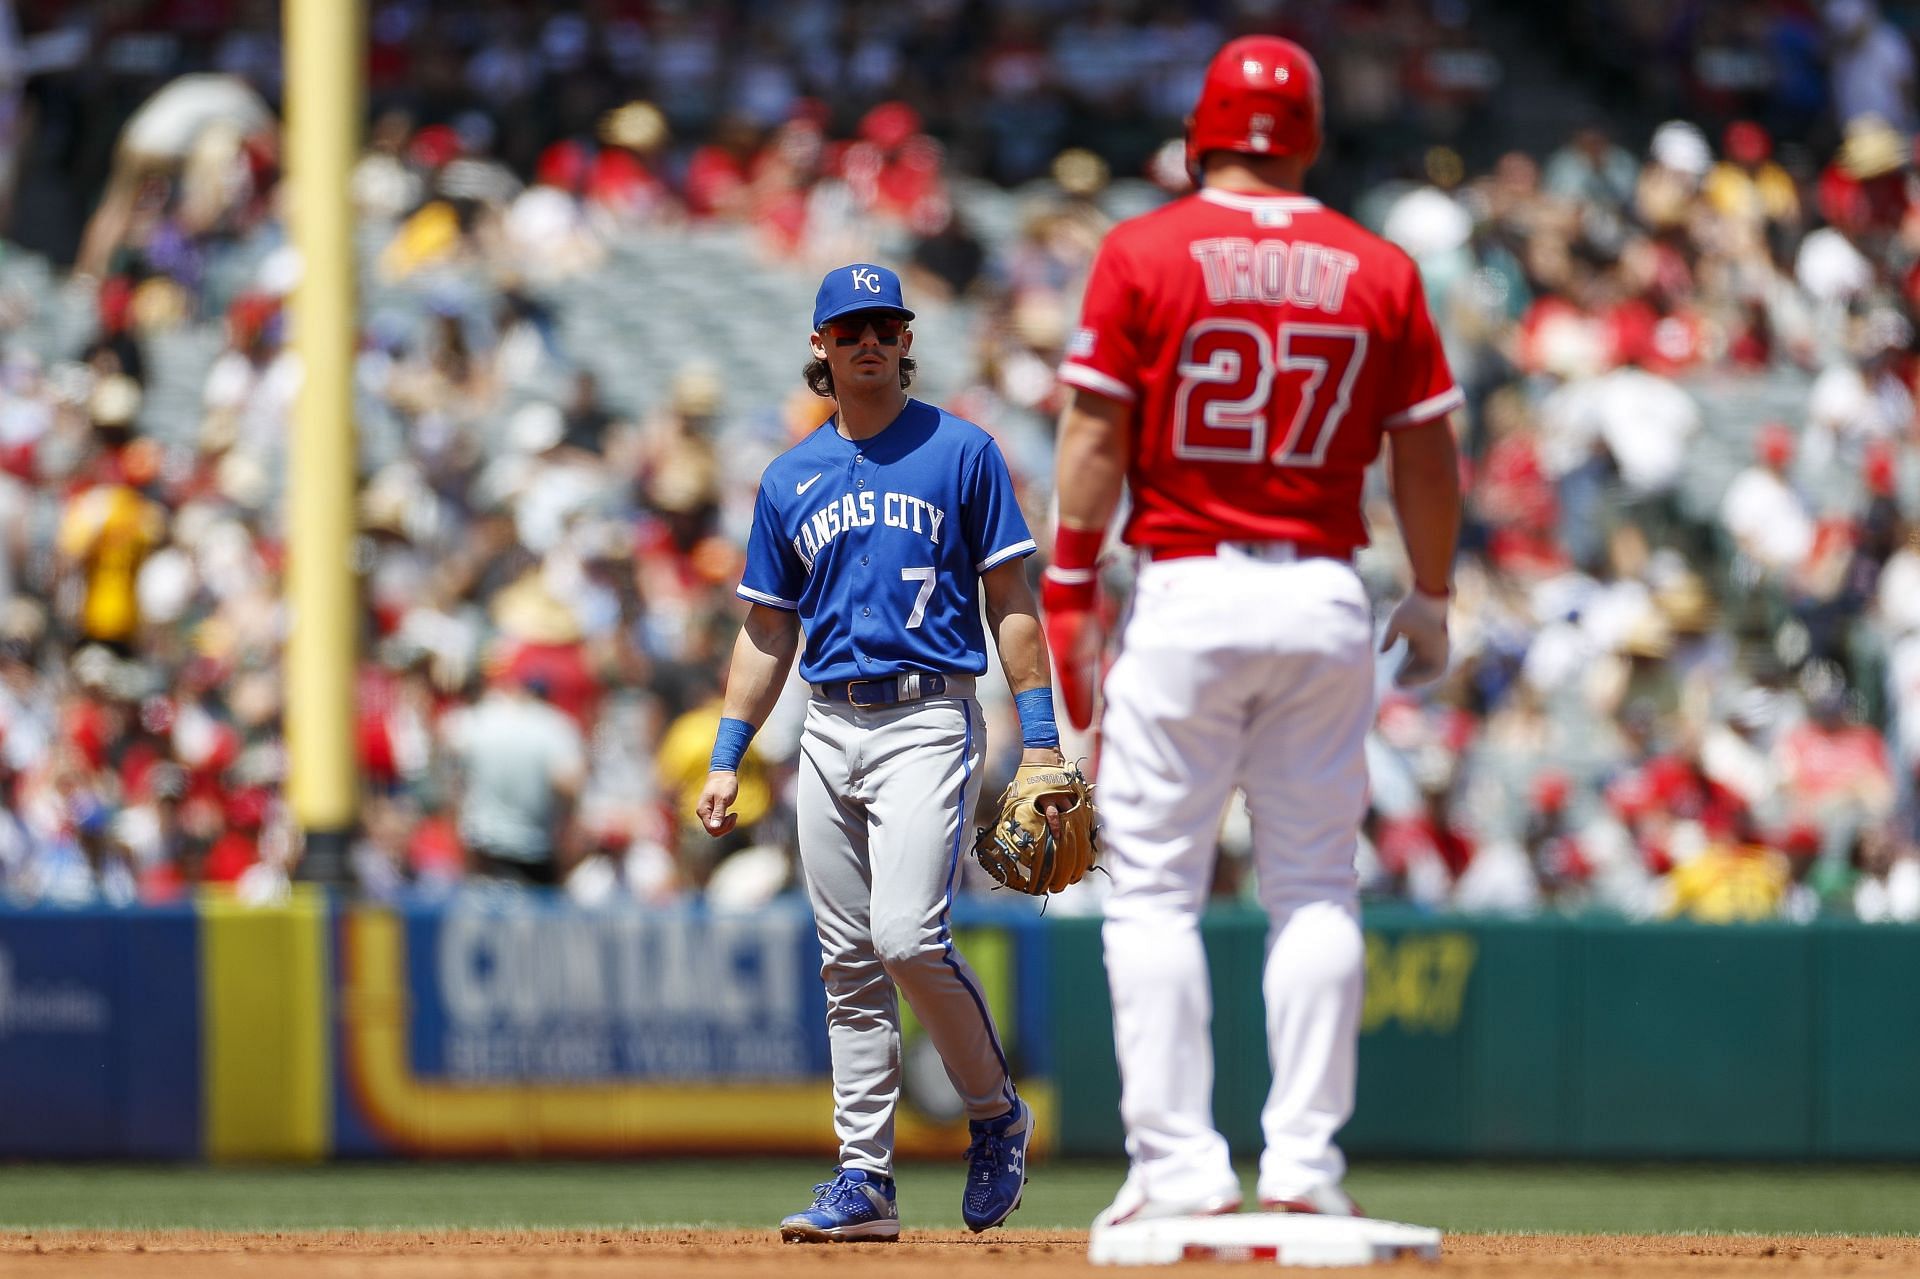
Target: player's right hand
[1421,620]
[1075,640]
[716,797]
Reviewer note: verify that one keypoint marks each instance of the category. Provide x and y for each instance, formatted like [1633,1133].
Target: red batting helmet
[1261,97]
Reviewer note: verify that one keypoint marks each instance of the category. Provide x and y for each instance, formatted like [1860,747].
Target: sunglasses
[846,330]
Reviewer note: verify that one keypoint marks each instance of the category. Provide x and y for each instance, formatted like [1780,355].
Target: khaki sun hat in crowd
[1872,148]
[528,611]
[637,126]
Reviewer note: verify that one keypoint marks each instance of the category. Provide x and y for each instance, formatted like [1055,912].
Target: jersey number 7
[926,578]
[1228,406]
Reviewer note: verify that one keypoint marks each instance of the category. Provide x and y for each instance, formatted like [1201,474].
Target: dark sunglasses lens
[851,329]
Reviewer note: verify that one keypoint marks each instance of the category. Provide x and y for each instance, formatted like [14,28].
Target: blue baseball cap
[859,287]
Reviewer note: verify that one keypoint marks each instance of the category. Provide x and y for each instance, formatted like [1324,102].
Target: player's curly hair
[820,377]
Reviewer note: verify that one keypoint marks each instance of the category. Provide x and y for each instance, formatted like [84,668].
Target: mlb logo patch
[1081,345]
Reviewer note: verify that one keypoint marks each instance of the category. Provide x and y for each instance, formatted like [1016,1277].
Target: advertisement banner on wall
[550,996]
[514,1024]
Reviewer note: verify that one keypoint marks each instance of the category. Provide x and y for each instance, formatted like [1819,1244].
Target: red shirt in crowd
[716,180]
[1820,763]
[562,673]
[1403,842]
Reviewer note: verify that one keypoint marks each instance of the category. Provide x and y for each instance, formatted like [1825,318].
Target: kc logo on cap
[861,286]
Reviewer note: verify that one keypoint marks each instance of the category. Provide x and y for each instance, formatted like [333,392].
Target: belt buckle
[1268,552]
[855,702]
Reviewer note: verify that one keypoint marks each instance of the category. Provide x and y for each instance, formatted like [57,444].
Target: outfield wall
[1573,1039]
[509,1026]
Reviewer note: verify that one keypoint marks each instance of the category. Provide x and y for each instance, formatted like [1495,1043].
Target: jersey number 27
[1236,402]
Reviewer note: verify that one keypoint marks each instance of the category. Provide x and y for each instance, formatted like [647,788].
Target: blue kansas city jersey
[878,544]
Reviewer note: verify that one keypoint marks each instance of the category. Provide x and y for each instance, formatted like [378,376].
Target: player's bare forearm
[1425,468]
[762,654]
[1014,618]
[1090,459]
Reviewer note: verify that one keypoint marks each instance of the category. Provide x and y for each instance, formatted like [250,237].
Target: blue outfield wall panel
[160,957]
[60,1013]
[99,1034]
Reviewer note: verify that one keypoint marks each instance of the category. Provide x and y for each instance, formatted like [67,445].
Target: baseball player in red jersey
[1243,353]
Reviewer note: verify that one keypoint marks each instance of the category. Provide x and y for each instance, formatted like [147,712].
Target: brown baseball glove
[1035,851]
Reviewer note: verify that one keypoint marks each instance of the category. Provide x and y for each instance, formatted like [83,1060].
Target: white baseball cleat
[1324,1200]
[1134,1204]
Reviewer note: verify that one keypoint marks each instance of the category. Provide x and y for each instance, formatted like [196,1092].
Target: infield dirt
[657,1254]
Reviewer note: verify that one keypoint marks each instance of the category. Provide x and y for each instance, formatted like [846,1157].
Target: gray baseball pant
[885,806]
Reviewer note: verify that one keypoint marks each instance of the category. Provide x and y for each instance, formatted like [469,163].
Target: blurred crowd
[1689,681]
[750,98]
[1687,675]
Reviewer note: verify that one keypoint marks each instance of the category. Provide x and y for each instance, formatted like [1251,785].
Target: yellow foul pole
[324,52]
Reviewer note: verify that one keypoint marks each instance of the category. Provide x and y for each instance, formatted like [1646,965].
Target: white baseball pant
[1244,669]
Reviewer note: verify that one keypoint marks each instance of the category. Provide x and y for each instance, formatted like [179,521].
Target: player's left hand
[1421,620]
[1046,834]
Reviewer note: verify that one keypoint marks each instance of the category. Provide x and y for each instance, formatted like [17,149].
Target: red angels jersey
[1266,344]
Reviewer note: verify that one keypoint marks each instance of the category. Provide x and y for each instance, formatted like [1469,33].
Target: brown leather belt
[891,690]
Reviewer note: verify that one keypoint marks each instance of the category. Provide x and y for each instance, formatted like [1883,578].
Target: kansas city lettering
[902,510]
[1276,272]
[858,510]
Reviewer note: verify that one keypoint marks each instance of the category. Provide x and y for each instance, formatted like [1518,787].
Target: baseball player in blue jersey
[878,536]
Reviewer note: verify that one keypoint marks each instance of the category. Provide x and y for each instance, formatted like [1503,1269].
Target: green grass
[1544,1198]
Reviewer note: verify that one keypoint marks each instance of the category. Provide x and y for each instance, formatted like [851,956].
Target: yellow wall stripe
[264,1027]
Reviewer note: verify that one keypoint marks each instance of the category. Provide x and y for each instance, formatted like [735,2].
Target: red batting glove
[1076,629]
[1076,637]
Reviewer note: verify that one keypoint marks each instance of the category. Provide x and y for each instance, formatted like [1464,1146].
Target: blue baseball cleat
[856,1204]
[996,1167]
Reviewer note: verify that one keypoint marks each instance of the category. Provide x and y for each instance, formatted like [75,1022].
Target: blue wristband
[1037,729]
[730,745]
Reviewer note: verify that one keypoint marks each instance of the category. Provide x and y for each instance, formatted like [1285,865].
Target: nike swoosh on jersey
[804,485]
